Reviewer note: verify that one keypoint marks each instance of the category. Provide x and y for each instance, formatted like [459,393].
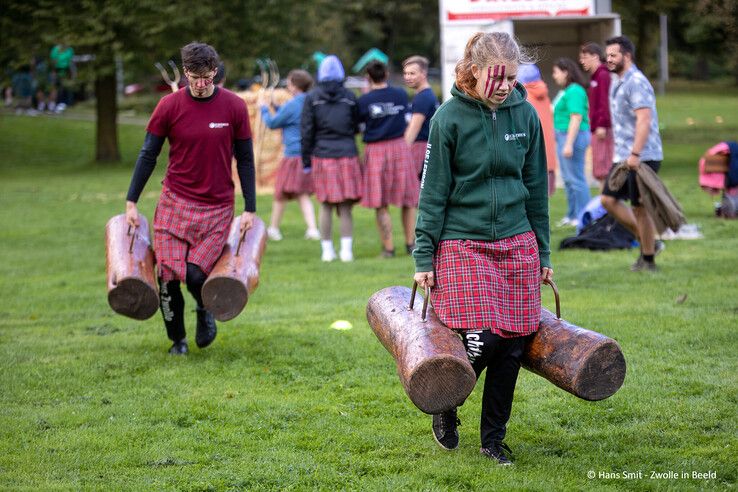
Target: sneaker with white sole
[445,430]
[312,234]
[274,234]
[498,452]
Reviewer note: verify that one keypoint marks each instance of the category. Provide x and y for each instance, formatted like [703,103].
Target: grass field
[91,400]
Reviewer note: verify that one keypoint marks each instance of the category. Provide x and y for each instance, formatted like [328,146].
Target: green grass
[91,400]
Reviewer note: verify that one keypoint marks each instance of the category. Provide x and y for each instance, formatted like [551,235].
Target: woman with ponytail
[482,229]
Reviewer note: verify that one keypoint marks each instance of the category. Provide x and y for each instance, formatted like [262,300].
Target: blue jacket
[287,118]
[330,120]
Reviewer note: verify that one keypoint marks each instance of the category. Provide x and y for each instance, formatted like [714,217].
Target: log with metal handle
[235,275]
[435,371]
[131,279]
[431,359]
[585,363]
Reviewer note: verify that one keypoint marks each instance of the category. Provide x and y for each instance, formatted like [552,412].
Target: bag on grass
[603,234]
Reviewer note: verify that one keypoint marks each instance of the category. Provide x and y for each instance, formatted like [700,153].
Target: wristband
[635,154]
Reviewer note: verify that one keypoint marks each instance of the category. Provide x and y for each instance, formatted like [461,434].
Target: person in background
[485,258]
[637,142]
[592,59]
[387,158]
[571,124]
[291,181]
[205,125]
[530,76]
[62,65]
[422,108]
[328,126]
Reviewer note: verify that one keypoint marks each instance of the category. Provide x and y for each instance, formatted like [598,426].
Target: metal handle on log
[424,313]
[133,239]
[240,241]
[556,296]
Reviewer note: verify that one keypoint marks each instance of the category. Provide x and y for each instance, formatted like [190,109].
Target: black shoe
[387,253]
[497,452]
[206,329]
[410,248]
[179,348]
[444,430]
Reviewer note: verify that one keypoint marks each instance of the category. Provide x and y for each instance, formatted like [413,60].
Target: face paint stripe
[489,77]
[502,77]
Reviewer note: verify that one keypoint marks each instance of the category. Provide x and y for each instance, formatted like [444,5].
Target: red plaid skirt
[291,181]
[336,180]
[602,151]
[412,184]
[186,231]
[492,285]
[386,169]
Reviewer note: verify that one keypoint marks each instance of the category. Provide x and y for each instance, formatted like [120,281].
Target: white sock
[327,245]
[347,244]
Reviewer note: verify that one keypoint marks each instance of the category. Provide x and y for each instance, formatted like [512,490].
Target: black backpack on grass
[600,235]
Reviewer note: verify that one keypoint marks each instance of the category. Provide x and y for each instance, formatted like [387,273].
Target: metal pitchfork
[270,79]
[173,84]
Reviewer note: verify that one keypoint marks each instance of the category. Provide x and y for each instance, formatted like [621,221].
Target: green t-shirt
[573,99]
[61,59]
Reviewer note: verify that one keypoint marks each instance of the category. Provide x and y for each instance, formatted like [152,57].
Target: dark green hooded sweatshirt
[484,176]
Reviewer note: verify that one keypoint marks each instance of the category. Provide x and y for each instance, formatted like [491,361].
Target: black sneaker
[206,328]
[497,452]
[179,348]
[387,253]
[659,246]
[410,248]
[444,430]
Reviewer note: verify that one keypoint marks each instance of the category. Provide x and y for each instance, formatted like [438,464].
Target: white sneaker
[328,255]
[274,234]
[346,256]
[312,234]
[565,221]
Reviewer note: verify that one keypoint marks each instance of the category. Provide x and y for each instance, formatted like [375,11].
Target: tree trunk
[107,119]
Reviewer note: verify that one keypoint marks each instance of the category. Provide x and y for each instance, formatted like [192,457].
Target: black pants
[501,356]
[171,301]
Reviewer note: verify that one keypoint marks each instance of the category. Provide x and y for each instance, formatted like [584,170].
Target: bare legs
[308,214]
[347,228]
[636,220]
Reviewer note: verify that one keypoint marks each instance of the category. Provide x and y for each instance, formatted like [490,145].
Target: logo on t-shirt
[514,136]
[382,110]
[218,125]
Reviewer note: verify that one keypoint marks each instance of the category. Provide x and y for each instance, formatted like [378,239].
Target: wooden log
[235,275]
[132,289]
[431,359]
[583,362]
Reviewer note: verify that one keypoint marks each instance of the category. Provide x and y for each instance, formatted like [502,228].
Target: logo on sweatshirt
[218,125]
[514,136]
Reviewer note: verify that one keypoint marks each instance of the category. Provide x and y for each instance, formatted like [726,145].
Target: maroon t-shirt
[201,136]
[599,99]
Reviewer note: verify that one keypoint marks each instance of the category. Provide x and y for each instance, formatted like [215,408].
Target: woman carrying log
[482,232]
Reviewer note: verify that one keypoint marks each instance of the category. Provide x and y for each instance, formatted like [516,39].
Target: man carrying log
[206,125]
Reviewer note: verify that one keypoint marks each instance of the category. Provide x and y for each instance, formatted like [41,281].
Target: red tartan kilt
[490,285]
[336,180]
[386,169]
[602,154]
[188,232]
[291,181]
[412,185]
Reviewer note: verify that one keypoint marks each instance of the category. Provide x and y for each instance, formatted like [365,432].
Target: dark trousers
[172,304]
[501,356]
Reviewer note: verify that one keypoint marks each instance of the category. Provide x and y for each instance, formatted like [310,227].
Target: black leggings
[171,301]
[501,356]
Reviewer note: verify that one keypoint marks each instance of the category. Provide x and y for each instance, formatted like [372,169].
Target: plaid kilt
[387,165]
[291,181]
[491,285]
[602,151]
[336,180]
[412,185]
[187,231]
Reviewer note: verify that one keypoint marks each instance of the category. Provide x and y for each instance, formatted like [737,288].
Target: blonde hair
[483,48]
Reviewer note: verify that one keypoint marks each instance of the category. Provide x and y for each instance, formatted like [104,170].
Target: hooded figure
[530,77]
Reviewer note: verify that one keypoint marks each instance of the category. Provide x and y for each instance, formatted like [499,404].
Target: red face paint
[490,88]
